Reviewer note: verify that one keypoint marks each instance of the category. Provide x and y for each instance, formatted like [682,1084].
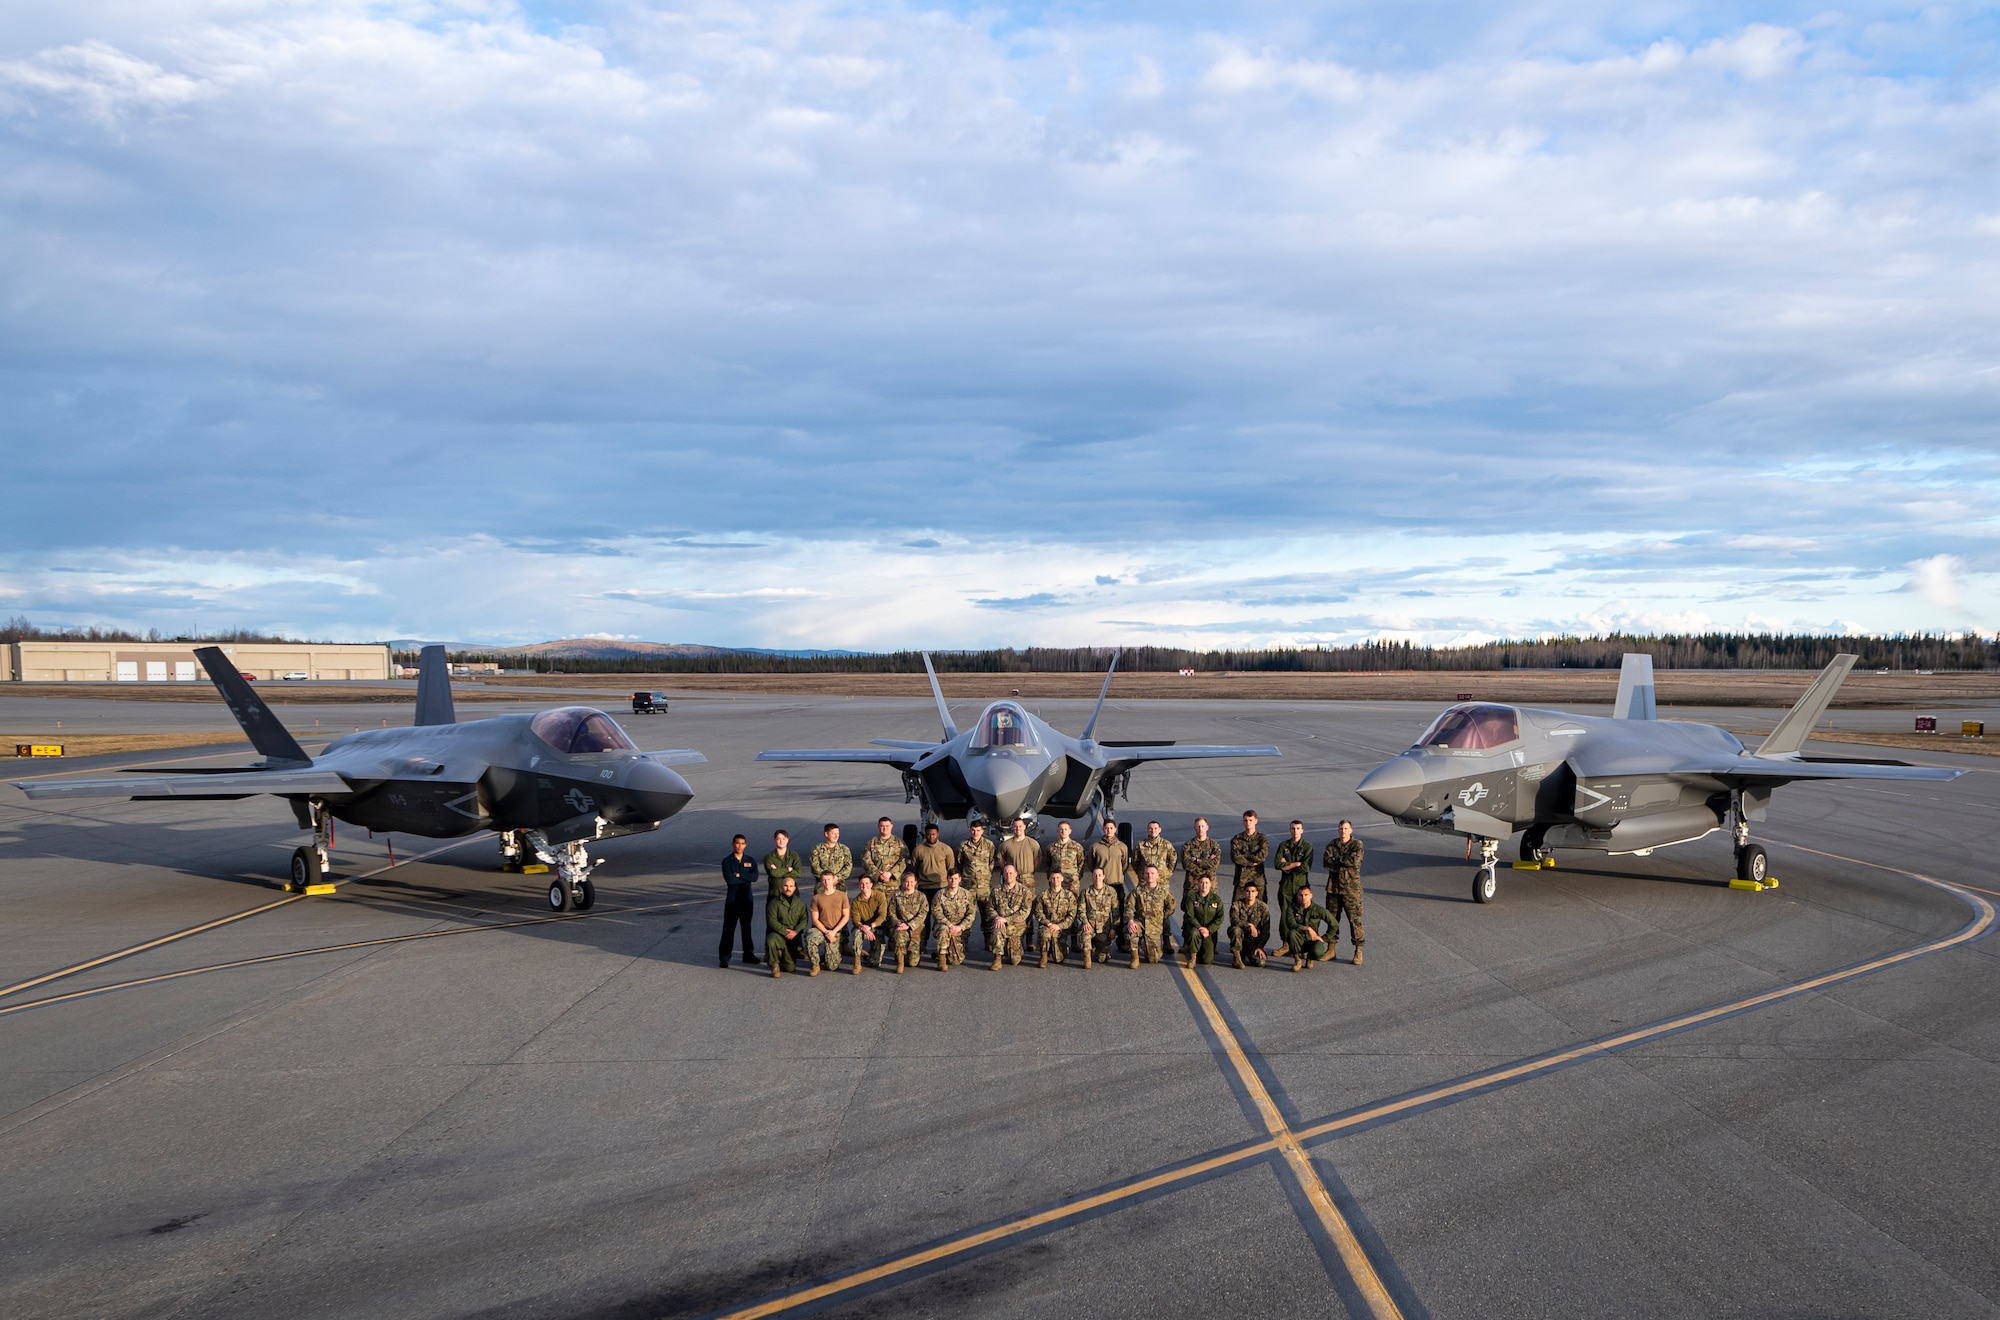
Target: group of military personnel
[1104,901]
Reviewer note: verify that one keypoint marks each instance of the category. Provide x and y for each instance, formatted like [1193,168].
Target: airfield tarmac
[1622,1088]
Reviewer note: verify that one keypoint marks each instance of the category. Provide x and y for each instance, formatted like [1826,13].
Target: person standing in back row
[934,861]
[885,852]
[1343,886]
[1249,850]
[781,864]
[1200,856]
[1023,854]
[739,901]
[833,857]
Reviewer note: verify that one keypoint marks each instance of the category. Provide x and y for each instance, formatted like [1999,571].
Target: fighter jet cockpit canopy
[1003,725]
[1473,728]
[579,729]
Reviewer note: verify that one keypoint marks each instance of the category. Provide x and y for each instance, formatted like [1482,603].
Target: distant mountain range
[597,648]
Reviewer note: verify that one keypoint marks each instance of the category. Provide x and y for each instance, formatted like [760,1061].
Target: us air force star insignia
[1472,796]
[580,801]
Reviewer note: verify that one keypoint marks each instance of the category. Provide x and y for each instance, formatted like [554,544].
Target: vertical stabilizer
[944,711]
[1089,728]
[266,734]
[1635,689]
[1792,731]
[434,688]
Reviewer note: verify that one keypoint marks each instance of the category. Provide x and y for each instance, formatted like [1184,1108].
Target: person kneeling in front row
[785,928]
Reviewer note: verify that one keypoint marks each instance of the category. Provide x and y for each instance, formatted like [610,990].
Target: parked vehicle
[649,703]
[296,676]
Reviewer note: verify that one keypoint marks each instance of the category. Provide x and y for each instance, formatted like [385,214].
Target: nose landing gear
[1486,880]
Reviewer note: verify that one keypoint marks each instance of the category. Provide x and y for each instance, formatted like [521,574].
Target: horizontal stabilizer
[1188,752]
[1797,726]
[266,734]
[1635,689]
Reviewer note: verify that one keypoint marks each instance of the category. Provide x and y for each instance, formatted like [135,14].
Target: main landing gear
[312,863]
[1486,880]
[1753,864]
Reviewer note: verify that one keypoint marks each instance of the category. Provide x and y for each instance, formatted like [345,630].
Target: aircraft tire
[559,900]
[1485,885]
[1752,863]
[586,894]
[305,868]
[1532,846]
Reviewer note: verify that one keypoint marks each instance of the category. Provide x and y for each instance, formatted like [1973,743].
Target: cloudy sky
[873,324]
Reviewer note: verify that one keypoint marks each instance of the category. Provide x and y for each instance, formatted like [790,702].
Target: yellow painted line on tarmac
[1893,870]
[73,970]
[337,948]
[1359,1268]
[1981,923]
[999,1233]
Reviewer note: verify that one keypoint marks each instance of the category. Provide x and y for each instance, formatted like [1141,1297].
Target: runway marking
[210,925]
[338,948]
[1360,1270]
[1175,1178]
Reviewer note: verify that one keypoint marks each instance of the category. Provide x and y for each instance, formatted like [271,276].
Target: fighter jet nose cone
[1392,787]
[999,785]
[656,790]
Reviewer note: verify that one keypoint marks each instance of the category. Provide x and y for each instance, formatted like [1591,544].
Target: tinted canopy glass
[1004,725]
[580,729]
[1471,728]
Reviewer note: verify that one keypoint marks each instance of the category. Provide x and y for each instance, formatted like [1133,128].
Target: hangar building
[174,662]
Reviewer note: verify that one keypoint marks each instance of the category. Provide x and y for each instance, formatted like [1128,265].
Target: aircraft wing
[902,756]
[1121,759]
[247,783]
[678,756]
[1752,769]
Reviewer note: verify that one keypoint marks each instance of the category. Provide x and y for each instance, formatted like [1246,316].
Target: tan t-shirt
[829,910]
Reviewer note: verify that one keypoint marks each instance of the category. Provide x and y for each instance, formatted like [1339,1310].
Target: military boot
[1086,955]
[774,967]
[1357,955]
[899,962]
[996,960]
[1045,954]
[1135,957]
[1236,959]
[857,961]
[1298,964]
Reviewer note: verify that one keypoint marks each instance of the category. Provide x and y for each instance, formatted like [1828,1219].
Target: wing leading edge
[246,784]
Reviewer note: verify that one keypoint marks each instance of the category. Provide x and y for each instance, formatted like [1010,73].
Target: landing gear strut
[311,863]
[569,888]
[1486,880]
[1753,864]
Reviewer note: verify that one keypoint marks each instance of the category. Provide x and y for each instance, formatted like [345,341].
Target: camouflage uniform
[1055,913]
[786,912]
[911,908]
[1249,850]
[1343,888]
[1011,906]
[975,865]
[1158,852]
[1309,931]
[1203,910]
[1290,882]
[887,855]
[1243,916]
[1200,857]
[1067,857]
[836,858]
[778,867]
[1099,907]
[870,911]
[1149,907]
[952,907]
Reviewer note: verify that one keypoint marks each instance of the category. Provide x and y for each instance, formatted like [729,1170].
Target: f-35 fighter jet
[548,783]
[1012,765]
[1628,784]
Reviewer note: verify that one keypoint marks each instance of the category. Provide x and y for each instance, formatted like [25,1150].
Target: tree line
[18,629]
[1927,651]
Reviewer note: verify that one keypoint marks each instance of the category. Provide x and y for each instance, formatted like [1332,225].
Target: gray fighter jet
[548,783]
[1012,765]
[1628,784]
